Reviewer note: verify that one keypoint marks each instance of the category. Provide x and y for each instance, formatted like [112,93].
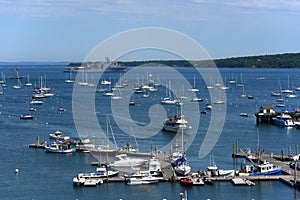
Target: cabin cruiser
[175,124]
[58,135]
[125,161]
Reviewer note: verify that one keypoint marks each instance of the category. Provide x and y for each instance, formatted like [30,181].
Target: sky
[67,30]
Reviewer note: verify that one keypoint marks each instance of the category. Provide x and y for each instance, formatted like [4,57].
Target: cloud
[266,4]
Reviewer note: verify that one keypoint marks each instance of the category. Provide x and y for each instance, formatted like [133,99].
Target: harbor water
[49,176]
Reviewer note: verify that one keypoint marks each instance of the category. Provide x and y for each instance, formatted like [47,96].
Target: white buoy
[16,171]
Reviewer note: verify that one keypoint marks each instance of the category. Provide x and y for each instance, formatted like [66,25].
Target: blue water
[49,176]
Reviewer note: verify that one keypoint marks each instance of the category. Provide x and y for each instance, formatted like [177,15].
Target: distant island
[287,60]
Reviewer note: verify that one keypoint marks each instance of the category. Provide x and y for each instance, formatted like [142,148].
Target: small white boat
[86,182]
[58,135]
[226,172]
[243,114]
[101,172]
[219,102]
[26,116]
[143,180]
[276,94]
[291,95]
[36,102]
[167,100]
[208,107]
[196,99]
[105,82]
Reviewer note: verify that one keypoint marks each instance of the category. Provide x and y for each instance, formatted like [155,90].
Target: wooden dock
[289,177]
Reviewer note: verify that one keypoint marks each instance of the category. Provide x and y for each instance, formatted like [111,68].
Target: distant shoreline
[283,61]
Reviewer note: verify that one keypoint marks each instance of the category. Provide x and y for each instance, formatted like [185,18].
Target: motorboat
[36,102]
[291,95]
[276,94]
[125,161]
[208,107]
[176,123]
[243,114]
[26,116]
[58,148]
[86,182]
[196,99]
[58,135]
[168,100]
[101,172]
[189,181]
[143,180]
[226,172]
[283,120]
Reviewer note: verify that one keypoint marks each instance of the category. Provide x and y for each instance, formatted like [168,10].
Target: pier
[266,114]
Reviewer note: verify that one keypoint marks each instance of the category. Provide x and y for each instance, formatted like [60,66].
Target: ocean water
[49,176]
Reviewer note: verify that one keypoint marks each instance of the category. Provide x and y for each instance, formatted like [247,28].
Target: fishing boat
[283,120]
[58,135]
[265,168]
[59,148]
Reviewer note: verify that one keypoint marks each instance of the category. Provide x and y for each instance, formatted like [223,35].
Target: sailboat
[19,85]
[70,79]
[84,81]
[182,167]
[131,101]
[1,89]
[167,99]
[287,90]
[3,81]
[241,84]
[27,83]
[194,89]
[117,96]
[243,93]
